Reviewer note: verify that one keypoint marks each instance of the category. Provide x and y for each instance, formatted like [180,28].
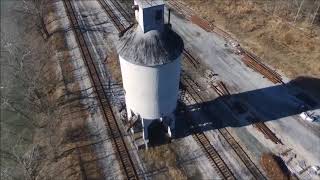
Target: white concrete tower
[150,55]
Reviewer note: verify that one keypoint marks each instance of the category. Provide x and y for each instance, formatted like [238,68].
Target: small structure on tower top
[150,14]
[150,55]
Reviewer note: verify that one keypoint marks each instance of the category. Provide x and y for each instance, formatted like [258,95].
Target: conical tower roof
[151,48]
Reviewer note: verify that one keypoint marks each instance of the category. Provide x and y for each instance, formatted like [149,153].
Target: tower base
[150,132]
[149,128]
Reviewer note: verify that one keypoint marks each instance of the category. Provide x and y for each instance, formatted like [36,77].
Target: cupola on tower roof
[151,43]
[150,14]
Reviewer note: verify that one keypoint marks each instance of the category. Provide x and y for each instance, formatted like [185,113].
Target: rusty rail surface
[187,55]
[118,142]
[263,128]
[188,14]
[251,61]
[174,5]
[221,89]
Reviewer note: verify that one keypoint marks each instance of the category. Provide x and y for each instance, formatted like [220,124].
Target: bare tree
[25,80]
[27,164]
[38,9]
[24,67]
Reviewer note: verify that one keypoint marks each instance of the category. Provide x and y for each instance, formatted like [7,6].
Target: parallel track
[182,11]
[252,62]
[193,86]
[215,159]
[213,156]
[221,89]
[248,58]
[195,63]
[114,18]
[263,128]
[241,154]
[124,13]
[118,142]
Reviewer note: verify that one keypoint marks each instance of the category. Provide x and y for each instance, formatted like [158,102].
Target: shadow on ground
[246,108]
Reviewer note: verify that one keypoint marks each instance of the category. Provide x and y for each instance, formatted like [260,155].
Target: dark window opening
[158,15]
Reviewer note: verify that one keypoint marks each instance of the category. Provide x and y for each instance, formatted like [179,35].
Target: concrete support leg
[172,126]
[129,113]
[129,116]
[169,132]
[145,125]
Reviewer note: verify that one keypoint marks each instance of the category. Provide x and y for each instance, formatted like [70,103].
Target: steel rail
[114,18]
[118,142]
[254,170]
[213,156]
[123,12]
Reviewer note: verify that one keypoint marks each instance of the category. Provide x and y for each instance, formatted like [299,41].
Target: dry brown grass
[113,65]
[58,41]
[67,128]
[275,167]
[294,49]
[163,159]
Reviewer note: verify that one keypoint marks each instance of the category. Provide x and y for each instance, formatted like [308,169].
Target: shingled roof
[150,49]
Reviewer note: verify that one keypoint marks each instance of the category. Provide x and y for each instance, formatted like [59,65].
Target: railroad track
[215,159]
[241,154]
[252,62]
[118,142]
[180,9]
[248,58]
[195,63]
[114,18]
[254,170]
[190,15]
[213,156]
[123,12]
[221,89]
[211,153]
[262,127]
